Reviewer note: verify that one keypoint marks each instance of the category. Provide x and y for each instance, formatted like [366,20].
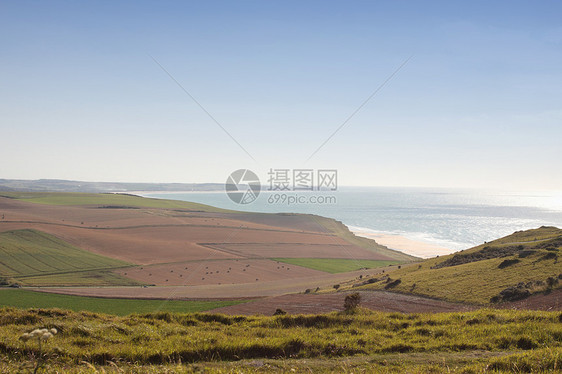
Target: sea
[455,219]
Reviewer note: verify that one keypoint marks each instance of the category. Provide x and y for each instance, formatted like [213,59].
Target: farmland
[30,299]
[332,265]
[126,241]
[33,257]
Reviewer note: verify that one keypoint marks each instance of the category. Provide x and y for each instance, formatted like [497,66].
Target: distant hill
[508,269]
[57,185]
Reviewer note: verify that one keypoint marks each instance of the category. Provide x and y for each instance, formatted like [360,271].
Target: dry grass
[360,342]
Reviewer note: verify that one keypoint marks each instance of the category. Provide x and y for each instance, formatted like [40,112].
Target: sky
[468,94]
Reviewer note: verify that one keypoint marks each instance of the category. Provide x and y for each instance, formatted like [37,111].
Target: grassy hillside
[72,198]
[338,342]
[121,307]
[508,268]
[336,265]
[32,257]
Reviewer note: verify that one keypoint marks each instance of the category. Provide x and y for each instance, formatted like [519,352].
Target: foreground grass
[536,361]
[363,341]
[336,265]
[30,299]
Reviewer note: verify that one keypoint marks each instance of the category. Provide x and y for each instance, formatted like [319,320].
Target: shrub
[526,343]
[512,293]
[336,286]
[392,284]
[279,312]
[551,282]
[508,262]
[549,256]
[526,253]
[351,301]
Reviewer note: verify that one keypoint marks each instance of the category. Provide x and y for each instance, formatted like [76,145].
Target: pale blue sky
[478,105]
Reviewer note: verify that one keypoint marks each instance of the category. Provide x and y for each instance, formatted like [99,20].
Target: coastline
[147,193]
[414,247]
[403,244]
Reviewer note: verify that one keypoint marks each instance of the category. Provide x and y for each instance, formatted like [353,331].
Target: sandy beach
[400,243]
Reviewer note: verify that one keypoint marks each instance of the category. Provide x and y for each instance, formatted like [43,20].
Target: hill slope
[506,269]
[105,199]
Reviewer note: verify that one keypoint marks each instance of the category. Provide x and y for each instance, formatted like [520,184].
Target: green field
[32,257]
[30,299]
[336,265]
[356,342]
[108,199]
[478,274]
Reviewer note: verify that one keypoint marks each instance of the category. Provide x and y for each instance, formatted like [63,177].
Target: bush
[4,281]
[512,293]
[549,256]
[508,262]
[336,286]
[526,253]
[279,312]
[551,282]
[392,284]
[351,301]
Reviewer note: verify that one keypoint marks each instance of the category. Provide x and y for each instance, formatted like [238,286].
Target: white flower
[35,333]
[25,337]
[53,331]
[46,336]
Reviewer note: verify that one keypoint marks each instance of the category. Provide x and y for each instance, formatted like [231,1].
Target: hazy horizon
[461,95]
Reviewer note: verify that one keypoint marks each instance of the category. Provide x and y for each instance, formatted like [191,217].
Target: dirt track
[216,291]
[324,303]
[551,301]
[381,301]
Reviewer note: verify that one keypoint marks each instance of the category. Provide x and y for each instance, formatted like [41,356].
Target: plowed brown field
[191,250]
